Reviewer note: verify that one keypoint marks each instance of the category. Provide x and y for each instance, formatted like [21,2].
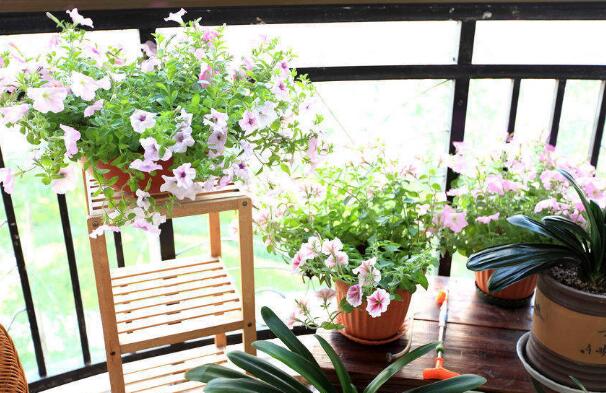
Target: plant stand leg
[106,306]
[214,226]
[247,272]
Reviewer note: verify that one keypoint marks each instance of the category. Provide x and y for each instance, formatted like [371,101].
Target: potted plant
[363,226]
[568,335]
[185,118]
[263,376]
[517,177]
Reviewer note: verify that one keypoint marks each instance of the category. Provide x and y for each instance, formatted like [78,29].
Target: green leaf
[284,334]
[460,384]
[514,254]
[578,383]
[285,168]
[208,372]
[226,385]
[342,374]
[310,371]
[266,372]
[396,366]
[345,306]
[538,388]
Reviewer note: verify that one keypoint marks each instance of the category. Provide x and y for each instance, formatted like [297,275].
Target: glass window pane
[348,44]
[539,42]
[487,111]
[578,115]
[535,107]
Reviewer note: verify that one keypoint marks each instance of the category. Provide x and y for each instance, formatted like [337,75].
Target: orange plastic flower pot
[518,291]
[359,326]
[120,185]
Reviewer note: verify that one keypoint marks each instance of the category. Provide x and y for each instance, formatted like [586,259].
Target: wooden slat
[175,357]
[150,285]
[185,387]
[178,317]
[169,375]
[186,330]
[225,288]
[179,307]
[168,273]
[158,266]
[216,280]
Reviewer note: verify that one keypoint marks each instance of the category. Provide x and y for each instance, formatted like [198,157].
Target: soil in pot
[120,185]
[359,326]
[568,334]
[516,295]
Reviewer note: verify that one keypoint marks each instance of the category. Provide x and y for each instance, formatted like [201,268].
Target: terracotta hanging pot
[518,294]
[568,335]
[120,185]
[360,327]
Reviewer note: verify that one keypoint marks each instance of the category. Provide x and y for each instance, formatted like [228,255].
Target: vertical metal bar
[25,287]
[167,234]
[119,249]
[557,111]
[73,272]
[513,107]
[598,127]
[459,112]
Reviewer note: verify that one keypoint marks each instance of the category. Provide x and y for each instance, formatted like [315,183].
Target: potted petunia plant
[363,227]
[516,177]
[185,118]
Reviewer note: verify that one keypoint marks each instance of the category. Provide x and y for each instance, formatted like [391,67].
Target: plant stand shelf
[169,302]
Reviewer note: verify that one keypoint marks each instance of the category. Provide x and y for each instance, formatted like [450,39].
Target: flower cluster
[186,109]
[367,222]
[515,177]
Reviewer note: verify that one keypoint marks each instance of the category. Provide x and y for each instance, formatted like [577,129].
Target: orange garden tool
[439,372]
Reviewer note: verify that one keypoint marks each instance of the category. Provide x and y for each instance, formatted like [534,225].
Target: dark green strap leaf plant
[571,244]
[264,377]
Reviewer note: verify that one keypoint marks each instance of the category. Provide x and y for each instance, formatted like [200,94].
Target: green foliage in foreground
[264,377]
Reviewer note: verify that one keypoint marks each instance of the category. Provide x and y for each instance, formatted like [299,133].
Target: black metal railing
[145,20]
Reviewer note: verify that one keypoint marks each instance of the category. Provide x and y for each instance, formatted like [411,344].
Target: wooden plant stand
[168,302]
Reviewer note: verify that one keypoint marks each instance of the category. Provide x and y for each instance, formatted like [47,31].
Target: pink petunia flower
[367,273]
[312,248]
[70,137]
[100,231]
[66,182]
[266,114]
[217,140]
[94,108]
[280,89]
[283,67]
[12,114]
[312,151]
[339,258]
[48,99]
[176,16]
[205,75]
[451,219]
[298,261]
[377,303]
[79,19]
[241,170]
[325,294]
[331,247]
[7,179]
[149,48]
[547,204]
[354,295]
[550,177]
[185,175]
[142,120]
[209,35]
[144,166]
[249,122]
[152,150]
[494,185]
[487,219]
[171,185]
[143,199]
[85,87]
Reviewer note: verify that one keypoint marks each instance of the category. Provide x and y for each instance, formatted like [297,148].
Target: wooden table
[480,339]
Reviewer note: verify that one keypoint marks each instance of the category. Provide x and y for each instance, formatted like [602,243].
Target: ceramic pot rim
[535,374]
[572,298]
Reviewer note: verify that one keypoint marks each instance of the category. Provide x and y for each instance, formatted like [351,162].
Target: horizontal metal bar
[150,18]
[455,71]
[98,368]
